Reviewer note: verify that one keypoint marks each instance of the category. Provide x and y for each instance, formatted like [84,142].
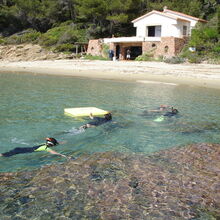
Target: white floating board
[84,111]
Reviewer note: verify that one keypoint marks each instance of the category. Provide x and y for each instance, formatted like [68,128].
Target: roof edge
[152,12]
[185,15]
[166,13]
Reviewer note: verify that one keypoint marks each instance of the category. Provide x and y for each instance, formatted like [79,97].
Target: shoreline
[202,75]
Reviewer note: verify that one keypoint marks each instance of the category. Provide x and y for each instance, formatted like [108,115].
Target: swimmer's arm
[56,153]
[154,110]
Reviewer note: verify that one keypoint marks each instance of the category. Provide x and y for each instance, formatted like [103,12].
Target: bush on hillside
[145,57]
[52,36]
[64,34]
[31,37]
[194,58]
[214,60]
[206,41]
[216,49]
[27,36]
[65,48]
[2,40]
[174,60]
[105,50]
[90,57]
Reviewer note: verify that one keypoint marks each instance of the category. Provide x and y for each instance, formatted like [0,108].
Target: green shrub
[217,49]
[31,37]
[90,57]
[105,50]
[64,34]
[194,58]
[206,40]
[65,48]
[215,60]
[160,58]
[210,33]
[52,36]
[145,57]
[13,39]
[27,36]
[174,60]
[2,40]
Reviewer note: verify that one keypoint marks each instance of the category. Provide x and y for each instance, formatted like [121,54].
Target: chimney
[164,8]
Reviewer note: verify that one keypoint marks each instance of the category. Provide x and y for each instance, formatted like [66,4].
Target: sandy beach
[204,75]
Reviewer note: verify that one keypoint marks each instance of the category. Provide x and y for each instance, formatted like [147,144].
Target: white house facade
[160,33]
[158,24]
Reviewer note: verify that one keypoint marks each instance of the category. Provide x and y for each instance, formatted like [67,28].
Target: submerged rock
[189,128]
[180,183]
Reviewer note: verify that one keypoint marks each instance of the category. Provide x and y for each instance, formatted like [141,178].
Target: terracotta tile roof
[165,13]
[153,12]
[184,15]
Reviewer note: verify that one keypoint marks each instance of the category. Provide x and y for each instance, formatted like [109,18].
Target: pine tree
[218,16]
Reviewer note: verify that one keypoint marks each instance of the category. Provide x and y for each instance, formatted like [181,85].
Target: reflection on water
[32,107]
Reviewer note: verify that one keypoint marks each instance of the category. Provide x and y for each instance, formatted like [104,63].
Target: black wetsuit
[98,121]
[170,114]
[23,150]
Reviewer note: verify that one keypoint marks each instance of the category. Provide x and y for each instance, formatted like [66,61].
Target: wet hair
[51,142]
[108,116]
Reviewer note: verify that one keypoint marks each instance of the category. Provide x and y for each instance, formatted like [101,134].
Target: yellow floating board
[85,111]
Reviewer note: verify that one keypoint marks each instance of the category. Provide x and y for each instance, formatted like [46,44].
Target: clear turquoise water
[32,108]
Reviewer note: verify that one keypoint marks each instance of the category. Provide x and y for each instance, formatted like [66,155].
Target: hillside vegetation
[60,24]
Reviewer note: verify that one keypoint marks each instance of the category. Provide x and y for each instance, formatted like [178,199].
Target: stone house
[157,33]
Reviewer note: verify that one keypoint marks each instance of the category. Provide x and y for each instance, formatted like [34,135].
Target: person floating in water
[169,114]
[50,142]
[173,112]
[97,121]
[162,108]
[159,110]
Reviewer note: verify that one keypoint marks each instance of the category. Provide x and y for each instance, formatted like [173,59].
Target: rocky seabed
[179,183]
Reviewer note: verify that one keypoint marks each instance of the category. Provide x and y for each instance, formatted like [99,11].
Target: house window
[154,31]
[184,30]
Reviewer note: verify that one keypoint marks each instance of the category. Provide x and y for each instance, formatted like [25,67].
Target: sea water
[32,108]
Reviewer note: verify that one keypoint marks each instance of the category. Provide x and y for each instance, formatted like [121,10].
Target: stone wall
[151,47]
[95,47]
[167,47]
[180,42]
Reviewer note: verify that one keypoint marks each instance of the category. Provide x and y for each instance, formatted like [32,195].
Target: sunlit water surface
[32,108]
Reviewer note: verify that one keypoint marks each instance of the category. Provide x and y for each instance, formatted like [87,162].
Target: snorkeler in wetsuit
[97,121]
[159,110]
[50,142]
[172,113]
